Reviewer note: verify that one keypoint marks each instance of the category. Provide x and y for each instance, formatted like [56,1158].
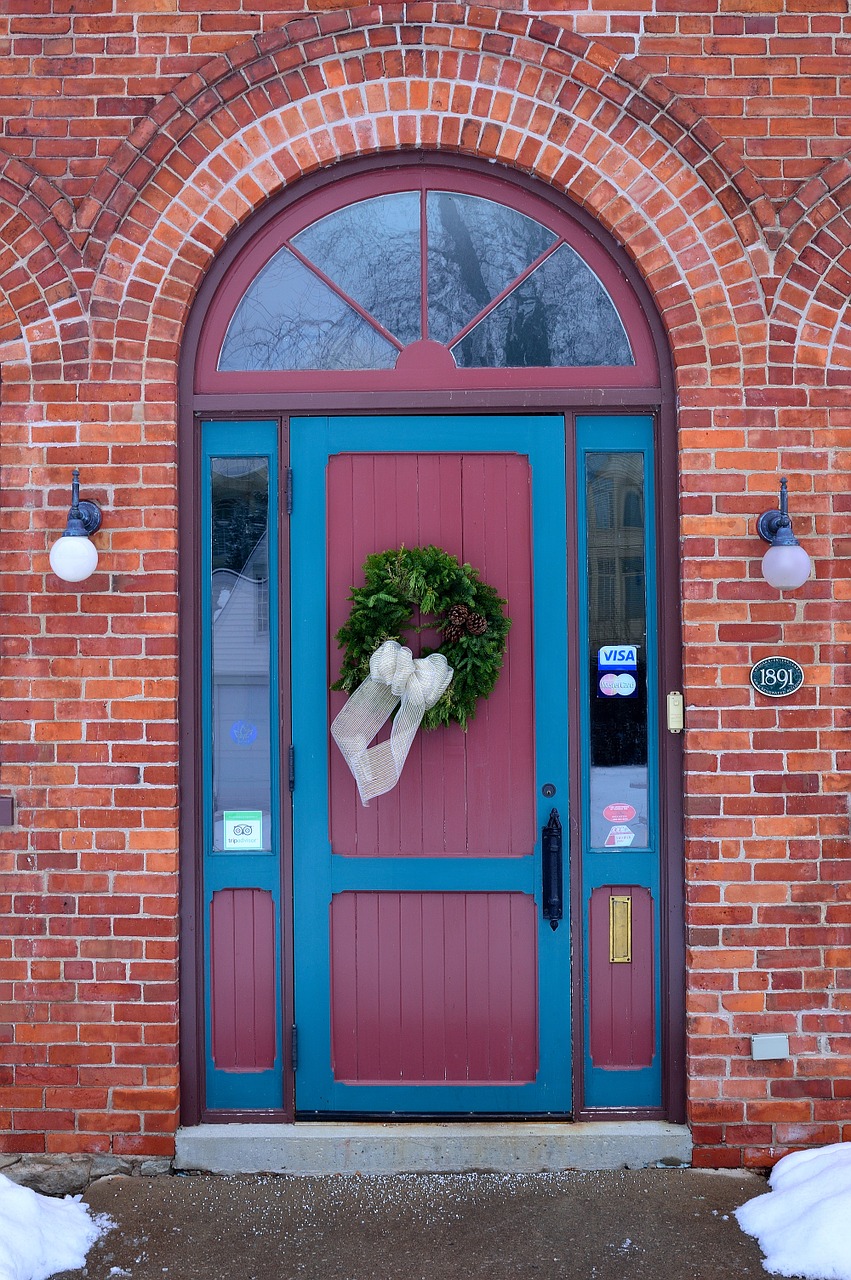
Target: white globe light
[73,559]
[786,567]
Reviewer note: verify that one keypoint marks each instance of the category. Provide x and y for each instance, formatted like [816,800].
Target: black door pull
[552,869]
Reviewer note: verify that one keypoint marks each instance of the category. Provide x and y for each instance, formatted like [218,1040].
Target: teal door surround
[604,756]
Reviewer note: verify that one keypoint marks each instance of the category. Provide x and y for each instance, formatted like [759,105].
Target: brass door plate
[620,929]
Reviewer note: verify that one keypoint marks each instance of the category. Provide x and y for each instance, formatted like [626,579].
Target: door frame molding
[659,400]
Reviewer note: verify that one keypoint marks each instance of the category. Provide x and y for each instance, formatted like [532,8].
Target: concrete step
[327,1147]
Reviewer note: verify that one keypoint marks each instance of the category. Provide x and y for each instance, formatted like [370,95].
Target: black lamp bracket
[84,518]
[775,526]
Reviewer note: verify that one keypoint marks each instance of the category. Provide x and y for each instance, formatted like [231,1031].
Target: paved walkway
[652,1224]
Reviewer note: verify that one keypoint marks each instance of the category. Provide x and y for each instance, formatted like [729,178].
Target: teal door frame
[317,872]
[316,877]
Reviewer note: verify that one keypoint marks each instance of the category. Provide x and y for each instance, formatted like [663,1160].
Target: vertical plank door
[427,981]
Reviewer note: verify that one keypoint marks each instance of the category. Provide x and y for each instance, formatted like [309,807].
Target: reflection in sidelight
[617,658]
[241,774]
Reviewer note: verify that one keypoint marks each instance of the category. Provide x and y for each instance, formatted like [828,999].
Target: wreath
[468,612]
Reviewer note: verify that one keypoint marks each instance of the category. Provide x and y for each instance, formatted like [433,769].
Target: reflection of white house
[241,694]
[616,551]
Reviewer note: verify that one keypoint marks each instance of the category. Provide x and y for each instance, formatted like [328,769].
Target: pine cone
[457,615]
[451,633]
[477,624]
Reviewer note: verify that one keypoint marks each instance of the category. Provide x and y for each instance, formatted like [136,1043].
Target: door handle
[551,866]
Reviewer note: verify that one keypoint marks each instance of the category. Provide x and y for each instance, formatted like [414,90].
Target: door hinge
[291,768]
[289,491]
[294,1046]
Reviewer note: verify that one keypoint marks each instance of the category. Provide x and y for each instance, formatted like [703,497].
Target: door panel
[461,794]
[434,987]
[425,981]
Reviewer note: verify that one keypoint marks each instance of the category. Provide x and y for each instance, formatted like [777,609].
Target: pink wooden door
[421,959]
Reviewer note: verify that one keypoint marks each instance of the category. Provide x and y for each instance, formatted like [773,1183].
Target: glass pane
[560,315]
[242,806]
[617,631]
[371,250]
[475,249]
[290,319]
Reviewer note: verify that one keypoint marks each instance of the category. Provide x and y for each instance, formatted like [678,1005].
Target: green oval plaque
[777,677]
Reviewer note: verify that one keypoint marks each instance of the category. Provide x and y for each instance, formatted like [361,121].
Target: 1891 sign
[777,677]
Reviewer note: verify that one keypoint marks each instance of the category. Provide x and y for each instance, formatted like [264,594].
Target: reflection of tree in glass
[371,250]
[475,249]
[290,319]
[559,315]
[240,516]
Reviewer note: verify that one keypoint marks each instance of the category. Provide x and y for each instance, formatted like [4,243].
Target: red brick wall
[713,146]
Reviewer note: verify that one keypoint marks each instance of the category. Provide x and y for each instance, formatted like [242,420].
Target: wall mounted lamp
[785,564]
[73,557]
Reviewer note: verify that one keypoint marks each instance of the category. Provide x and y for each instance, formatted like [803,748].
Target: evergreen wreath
[469,614]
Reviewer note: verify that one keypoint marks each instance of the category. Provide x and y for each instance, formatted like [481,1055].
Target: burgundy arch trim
[414,375]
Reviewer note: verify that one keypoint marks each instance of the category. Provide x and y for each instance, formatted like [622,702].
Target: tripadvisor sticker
[243,829]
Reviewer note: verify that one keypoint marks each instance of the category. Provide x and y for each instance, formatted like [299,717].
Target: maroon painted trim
[574,751]
[285,807]
[671,828]
[509,288]
[191,950]
[424,265]
[657,396]
[250,404]
[251,254]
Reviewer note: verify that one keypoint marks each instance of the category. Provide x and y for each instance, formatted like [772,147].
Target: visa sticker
[617,657]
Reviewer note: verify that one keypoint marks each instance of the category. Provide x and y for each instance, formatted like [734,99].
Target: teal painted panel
[625,439]
[319,873]
[258,870]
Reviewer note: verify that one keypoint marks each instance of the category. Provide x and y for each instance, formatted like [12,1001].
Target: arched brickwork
[277,110]
[809,321]
[37,261]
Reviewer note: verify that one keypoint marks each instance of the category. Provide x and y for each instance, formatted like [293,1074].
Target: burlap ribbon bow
[396,678]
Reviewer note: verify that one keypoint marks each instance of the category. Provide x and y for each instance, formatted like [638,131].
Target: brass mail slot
[620,929]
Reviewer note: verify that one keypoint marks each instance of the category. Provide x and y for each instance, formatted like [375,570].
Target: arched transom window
[424,280]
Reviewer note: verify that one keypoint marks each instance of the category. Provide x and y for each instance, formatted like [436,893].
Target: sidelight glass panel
[241,660]
[290,319]
[371,250]
[617,658]
[560,315]
[475,249]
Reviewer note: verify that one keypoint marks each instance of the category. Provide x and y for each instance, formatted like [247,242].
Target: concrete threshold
[317,1148]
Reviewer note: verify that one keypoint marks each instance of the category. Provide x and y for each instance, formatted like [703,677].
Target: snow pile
[802,1226]
[40,1236]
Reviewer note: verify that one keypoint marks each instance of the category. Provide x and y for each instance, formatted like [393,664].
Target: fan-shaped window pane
[290,319]
[559,315]
[372,251]
[475,249]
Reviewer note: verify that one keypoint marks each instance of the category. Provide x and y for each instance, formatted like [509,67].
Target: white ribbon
[395,678]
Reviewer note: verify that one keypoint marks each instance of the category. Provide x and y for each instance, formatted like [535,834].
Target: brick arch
[37,261]
[428,41]
[810,324]
[255,139]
